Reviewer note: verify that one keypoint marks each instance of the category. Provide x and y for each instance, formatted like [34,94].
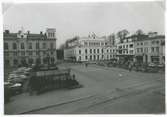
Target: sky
[79,19]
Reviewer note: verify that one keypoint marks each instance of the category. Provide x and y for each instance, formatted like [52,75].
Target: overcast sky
[72,19]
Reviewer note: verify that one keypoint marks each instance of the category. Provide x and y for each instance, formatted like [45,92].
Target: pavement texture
[105,91]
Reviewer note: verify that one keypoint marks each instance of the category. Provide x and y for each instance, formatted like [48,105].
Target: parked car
[16,88]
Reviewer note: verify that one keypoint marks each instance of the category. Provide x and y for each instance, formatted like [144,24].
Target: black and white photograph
[84,58]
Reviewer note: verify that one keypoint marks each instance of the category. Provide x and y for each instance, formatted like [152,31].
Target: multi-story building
[125,49]
[28,48]
[91,48]
[150,49]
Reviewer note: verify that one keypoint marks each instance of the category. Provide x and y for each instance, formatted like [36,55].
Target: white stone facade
[91,48]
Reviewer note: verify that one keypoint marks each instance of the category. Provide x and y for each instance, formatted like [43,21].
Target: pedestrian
[130,66]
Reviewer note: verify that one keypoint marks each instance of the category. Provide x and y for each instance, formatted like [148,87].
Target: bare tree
[139,32]
[122,34]
[112,39]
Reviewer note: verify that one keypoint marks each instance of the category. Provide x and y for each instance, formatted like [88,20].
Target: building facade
[91,48]
[125,49]
[150,49]
[27,48]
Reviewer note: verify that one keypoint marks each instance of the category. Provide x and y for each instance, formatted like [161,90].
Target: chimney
[41,32]
[7,31]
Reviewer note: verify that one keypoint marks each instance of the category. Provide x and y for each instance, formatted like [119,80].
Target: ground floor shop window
[155,59]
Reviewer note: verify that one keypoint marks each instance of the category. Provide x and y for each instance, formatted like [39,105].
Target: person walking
[130,66]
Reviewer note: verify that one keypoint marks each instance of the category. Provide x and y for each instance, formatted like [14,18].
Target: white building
[125,49]
[91,48]
[28,48]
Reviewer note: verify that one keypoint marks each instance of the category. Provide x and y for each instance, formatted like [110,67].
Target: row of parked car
[149,67]
[14,83]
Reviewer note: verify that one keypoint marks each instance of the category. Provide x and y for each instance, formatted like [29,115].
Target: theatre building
[25,48]
[91,48]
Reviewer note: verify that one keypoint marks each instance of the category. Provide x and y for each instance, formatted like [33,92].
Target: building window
[157,49]
[86,57]
[90,50]
[131,51]
[94,57]
[14,46]
[126,46]
[97,50]
[152,49]
[44,45]
[97,57]
[22,46]
[86,51]
[141,43]
[90,57]
[102,56]
[142,50]
[30,46]
[79,51]
[107,50]
[131,45]
[137,50]
[107,57]
[94,50]
[102,50]
[6,46]
[137,43]
[37,46]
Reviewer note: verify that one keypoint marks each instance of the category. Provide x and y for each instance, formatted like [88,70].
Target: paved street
[105,91]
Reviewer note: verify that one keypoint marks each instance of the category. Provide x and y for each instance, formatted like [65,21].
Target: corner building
[29,48]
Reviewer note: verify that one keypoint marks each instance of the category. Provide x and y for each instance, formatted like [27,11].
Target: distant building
[150,49]
[125,49]
[60,54]
[91,48]
[27,48]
